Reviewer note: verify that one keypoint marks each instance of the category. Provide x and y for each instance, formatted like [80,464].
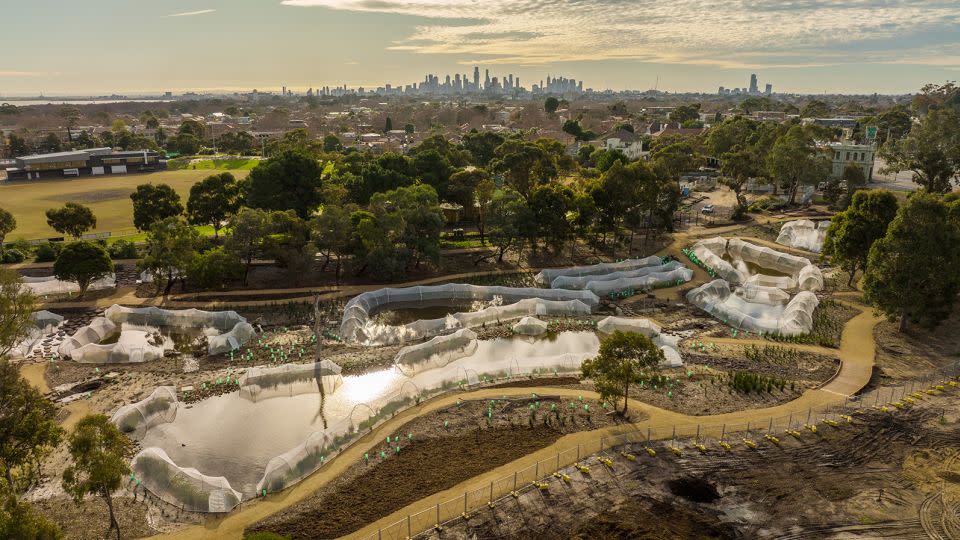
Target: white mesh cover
[290,379]
[159,407]
[356,324]
[44,322]
[806,276]
[668,344]
[530,326]
[182,318]
[98,330]
[803,234]
[793,319]
[184,488]
[133,346]
[763,295]
[232,340]
[647,282]
[51,285]
[549,275]
[436,353]
[580,282]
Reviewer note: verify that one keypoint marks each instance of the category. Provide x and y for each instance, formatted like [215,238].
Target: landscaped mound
[803,234]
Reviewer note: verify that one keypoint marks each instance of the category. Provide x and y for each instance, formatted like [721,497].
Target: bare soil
[917,351]
[89,518]
[457,443]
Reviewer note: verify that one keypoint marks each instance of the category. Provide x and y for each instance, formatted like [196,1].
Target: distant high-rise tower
[476,77]
[753,83]
[768,90]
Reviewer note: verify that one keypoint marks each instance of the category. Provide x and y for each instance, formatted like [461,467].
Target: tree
[815,109]
[19,520]
[624,360]
[214,268]
[73,219]
[7,225]
[170,249]
[212,200]
[484,196]
[795,160]
[523,164]
[290,181]
[18,145]
[82,262]
[52,143]
[463,184]
[417,210]
[388,125]
[192,127]
[28,428]
[331,233]
[573,127]
[675,159]
[508,210]
[737,167]
[331,143]
[911,271]
[852,232]
[432,168]
[551,104]
[481,145]
[153,203]
[550,204]
[931,151]
[604,159]
[247,229]
[852,180]
[100,454]
[17,304]
[409,128]
[685,113]
[186,144]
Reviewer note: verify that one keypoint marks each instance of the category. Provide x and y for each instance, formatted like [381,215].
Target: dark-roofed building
[92,162]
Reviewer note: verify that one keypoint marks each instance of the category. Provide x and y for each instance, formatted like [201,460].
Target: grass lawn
[108,197]
[213,164]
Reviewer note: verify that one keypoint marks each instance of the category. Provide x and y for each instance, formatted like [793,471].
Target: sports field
[107,196]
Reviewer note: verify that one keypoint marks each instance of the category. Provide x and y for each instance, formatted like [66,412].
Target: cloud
[192,13]
[23,73]
[721,33]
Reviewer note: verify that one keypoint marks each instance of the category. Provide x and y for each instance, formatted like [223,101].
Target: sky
[93,47]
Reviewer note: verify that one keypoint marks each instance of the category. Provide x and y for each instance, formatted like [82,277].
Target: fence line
[723,435]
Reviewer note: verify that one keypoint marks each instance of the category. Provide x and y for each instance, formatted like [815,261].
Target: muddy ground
[917,351]
[458,443]
[882,476]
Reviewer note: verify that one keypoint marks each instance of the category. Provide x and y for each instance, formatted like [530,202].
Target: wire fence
[680,437]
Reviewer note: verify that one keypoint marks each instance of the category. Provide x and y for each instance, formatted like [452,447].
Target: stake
[409,531]
[723,432]
[514,480]
[698,432]
[491,486]
[438,514]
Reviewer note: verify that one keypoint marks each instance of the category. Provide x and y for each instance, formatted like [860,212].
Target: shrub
[214,268]
[122,249]
[13,256]
[47,252]
[768,203]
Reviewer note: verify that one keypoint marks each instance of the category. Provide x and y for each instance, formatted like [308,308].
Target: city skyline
[236,45]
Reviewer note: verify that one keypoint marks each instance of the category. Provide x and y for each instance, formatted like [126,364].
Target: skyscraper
[769,89]
[476,78]
[753,83]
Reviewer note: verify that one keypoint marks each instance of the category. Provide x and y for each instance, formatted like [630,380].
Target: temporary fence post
[578,452]
[698,432]
[464,502]
[409,528]
[537,473]
[514,480]
[845,398]
[491,490]
[558,461]
[674,436]
[723,432]
[380,534]
[770,429]
[601,444]
[878,397]
[809,414]
[438,514]
[648,434]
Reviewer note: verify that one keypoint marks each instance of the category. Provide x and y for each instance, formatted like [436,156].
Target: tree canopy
[72,218]
[912,270]
[82,262]
[852,232]
[289,181]
[624,360]
[212,200]
[152,203]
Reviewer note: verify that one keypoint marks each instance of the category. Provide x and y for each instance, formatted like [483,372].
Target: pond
[235,437]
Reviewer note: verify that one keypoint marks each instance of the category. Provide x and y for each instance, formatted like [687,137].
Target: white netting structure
[580,282]
[44,322]
[530,326]
[760,294]
[182,318]
[514,303]
[803,234]
[436,353]
[667,343]
[232,340]
[185,488]
[804,274]
[794,318]
[159,407]
[290,379]
[98,330]
[133,346]
[676,276]
[549,275]
[42,286]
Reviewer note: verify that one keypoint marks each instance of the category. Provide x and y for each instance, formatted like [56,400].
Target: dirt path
[34,374]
